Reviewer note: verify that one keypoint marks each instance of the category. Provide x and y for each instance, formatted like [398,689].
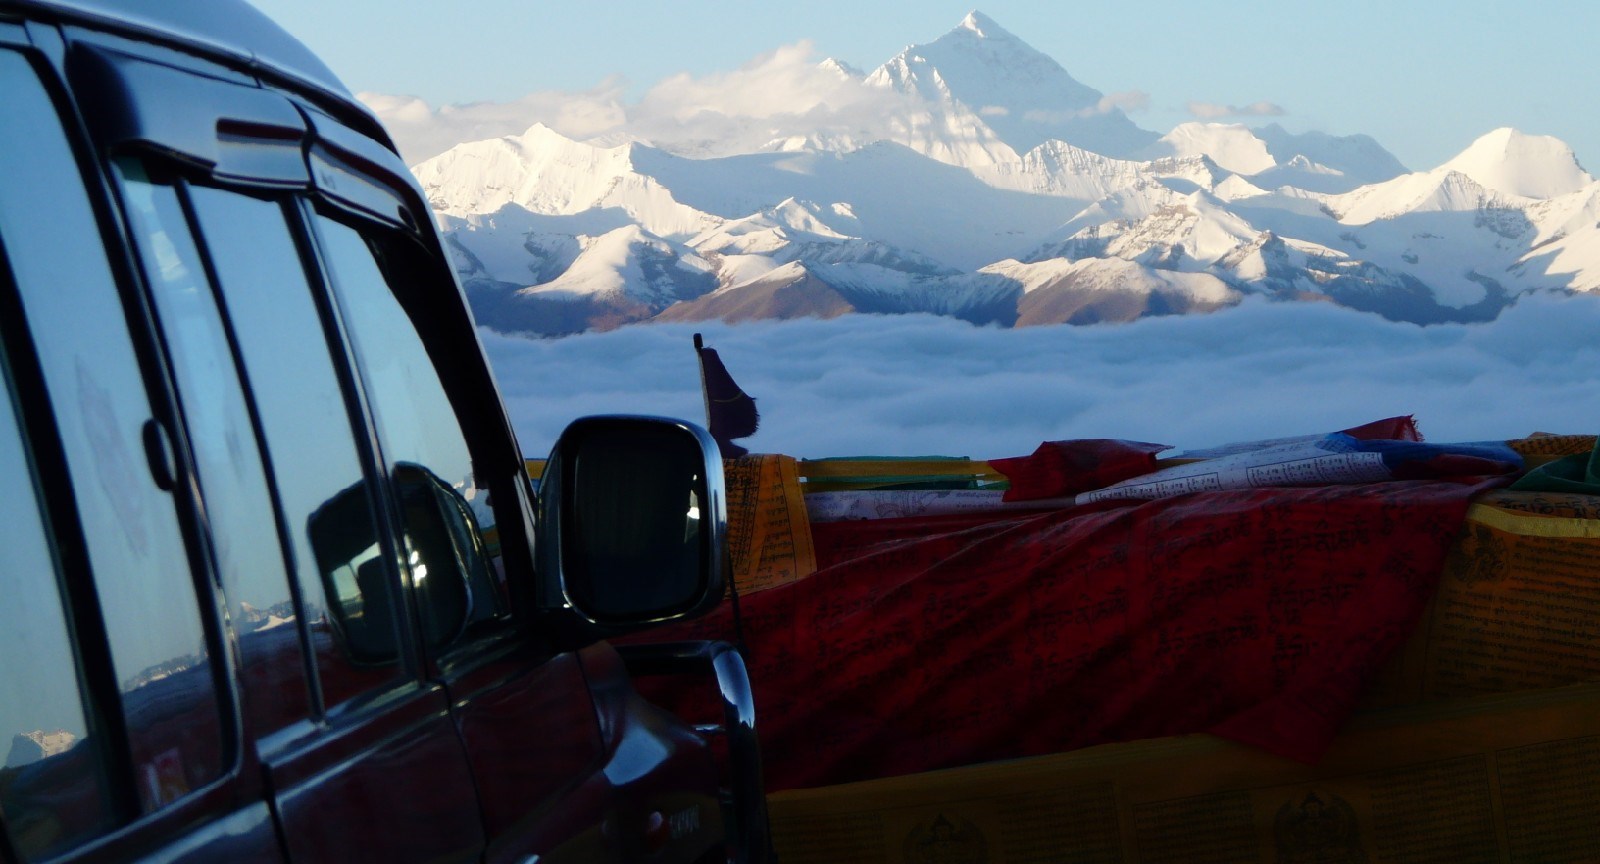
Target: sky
[915,385]
[1423,78]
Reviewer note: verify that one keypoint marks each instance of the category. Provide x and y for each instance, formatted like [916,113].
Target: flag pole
[700,363]
[733,584]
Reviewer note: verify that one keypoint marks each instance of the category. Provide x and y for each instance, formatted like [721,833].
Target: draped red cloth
[1058,469]
[928,643]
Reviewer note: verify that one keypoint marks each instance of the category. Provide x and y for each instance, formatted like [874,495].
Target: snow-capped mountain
[1092,290]
[1522,166]
[995,187]
[543,172]
[1023,95]
[1319,162]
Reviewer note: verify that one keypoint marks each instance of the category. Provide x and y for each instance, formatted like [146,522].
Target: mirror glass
[635,541]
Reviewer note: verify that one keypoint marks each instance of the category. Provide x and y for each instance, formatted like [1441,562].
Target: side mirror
[633,521]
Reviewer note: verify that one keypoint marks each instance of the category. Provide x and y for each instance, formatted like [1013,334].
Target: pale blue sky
[1425,79]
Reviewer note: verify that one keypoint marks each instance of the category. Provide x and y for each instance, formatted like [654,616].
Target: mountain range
[998,189]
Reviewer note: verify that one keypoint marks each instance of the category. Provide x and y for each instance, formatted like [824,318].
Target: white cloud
[913,385]
[784,81]
[1209,110]
[1215,111]
[1130,101]
[422,131]
[1127,100]
[779,94]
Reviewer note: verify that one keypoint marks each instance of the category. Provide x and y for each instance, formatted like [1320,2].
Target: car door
[523,711]
[119,716]
[360,754]
[556,778]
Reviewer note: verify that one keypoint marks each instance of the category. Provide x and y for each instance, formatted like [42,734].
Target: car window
[53,787]
[116,448]
[448,521]
[249,557]
[346,581]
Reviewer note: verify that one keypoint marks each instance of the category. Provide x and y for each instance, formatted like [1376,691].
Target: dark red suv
[270,583]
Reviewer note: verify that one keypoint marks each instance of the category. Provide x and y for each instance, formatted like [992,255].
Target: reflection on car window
[355,577]
[445,555]
[346,582]
[146,590]
[448,521]
[238,505]
[52,789]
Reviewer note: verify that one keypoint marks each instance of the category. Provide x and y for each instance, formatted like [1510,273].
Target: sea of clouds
[923,385]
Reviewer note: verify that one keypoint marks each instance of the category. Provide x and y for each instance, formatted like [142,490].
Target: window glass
[147,593]
[52,789]
[446,513]
[347,585]
[238,505]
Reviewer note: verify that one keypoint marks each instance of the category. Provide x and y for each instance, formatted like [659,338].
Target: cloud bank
[919,385]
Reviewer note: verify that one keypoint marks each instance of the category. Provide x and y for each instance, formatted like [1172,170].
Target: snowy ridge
[544,172]
[1233,147]
[1162,228]
[1522,166]
[541,171]
[1358,159]
[1504,169]
[1113,275]
[991,185]
[627,262]
[1059,169]
[1566,249]
[1439,190]
[794,231]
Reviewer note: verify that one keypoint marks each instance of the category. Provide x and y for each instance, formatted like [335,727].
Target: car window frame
[407,710]
[302,208]
[512,631]
[326,708]
[208,280]
[236,781]
[46,485]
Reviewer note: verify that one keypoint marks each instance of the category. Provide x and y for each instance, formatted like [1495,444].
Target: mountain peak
[982,65]
[539,133]
[840,68]
[1019,92]
[1516,163]
[982,26]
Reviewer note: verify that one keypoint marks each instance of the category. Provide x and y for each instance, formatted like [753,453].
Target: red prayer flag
[1058,469]
[1258,615]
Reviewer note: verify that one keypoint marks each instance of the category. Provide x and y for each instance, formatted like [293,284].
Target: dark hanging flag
[730,412]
